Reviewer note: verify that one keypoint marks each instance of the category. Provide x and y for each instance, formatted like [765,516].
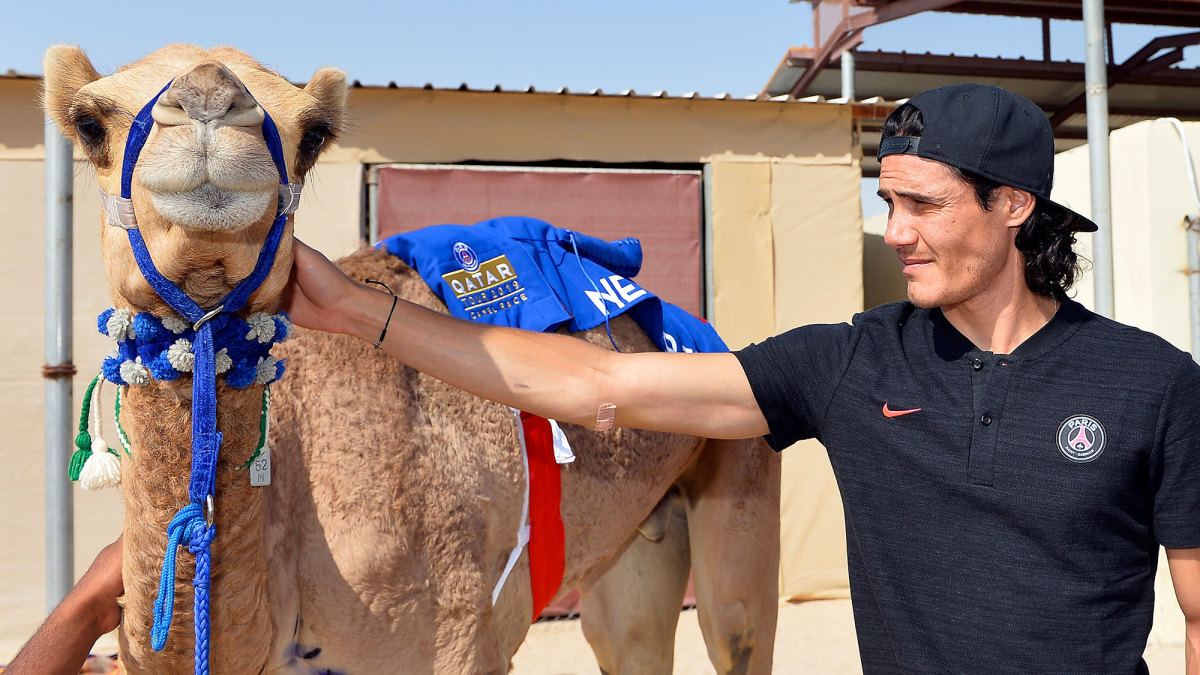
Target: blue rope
[595,288]
[200,547]
[206,440]
[579,260]
[186,523]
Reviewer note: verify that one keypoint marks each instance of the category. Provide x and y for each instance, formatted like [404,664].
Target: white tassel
[102,469]
[264,370]
[175,324]
[262,327]
[135,373]
[180,355]
[120,325]
[223,361]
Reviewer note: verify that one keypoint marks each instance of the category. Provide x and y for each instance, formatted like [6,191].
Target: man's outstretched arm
[552,375]
[62,643]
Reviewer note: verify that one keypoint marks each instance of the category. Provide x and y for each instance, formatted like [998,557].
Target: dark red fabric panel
[663,210]
[547,539]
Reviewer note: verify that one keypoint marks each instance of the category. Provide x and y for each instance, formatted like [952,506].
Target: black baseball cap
[989,132]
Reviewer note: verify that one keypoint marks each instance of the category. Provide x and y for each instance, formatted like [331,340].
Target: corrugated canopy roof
[1145,86]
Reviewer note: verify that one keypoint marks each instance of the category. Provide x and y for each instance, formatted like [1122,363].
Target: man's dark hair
[1045,239]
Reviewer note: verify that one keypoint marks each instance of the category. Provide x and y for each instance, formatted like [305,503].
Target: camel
[394,499]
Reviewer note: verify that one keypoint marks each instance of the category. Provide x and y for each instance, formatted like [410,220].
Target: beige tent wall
[787,250]
[1151,195]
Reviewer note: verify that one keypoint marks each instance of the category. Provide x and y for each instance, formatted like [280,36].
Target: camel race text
[491,287]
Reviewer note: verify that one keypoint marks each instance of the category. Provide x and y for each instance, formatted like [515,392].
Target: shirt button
[986,419]
[977,364]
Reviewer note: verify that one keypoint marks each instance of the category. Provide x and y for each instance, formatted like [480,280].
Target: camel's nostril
[207,92]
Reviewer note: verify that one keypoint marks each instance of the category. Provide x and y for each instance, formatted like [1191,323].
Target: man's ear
[1019,205]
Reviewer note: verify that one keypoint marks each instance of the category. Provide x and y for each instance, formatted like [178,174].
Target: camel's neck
[157,419]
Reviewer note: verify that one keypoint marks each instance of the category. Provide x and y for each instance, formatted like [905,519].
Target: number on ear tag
[260,469]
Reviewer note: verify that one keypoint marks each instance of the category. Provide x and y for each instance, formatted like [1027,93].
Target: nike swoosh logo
[888,412]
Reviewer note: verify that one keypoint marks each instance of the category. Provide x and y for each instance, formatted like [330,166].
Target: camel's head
[205,188]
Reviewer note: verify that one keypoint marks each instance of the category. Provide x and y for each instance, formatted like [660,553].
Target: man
[1009,462]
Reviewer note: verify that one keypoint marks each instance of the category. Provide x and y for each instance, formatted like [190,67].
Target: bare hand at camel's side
[62,643]
[316,290]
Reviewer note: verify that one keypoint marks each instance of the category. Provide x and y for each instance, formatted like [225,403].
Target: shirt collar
[951,345]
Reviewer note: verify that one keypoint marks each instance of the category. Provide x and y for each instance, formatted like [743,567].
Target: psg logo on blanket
[465,255]
[1081,438]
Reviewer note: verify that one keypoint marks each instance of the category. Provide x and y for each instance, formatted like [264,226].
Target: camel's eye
[311,143]
[91,130]
[313,140]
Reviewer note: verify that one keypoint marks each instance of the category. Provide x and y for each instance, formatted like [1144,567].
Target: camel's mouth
[211,208]
[209,176]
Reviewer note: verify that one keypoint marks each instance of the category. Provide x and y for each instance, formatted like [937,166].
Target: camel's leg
[629,613]
[732,502]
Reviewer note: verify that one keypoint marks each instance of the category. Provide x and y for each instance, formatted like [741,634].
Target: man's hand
[62,643]
[315,290]
[101,586]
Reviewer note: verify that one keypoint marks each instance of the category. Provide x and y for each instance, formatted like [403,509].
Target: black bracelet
[383,333]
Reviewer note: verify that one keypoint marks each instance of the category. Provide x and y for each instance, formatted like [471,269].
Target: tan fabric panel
[21,131]
[883,280]
[419,125]
[662,210]
[743,252]
[813,528]
[330,215]
[817,216]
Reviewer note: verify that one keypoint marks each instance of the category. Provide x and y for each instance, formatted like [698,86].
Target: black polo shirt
[1003,512]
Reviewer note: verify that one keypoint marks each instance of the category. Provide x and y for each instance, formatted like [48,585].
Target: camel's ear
[328,85]
[66,70]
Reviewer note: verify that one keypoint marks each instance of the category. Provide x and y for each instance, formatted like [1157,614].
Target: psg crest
[1081,438]
[465,256]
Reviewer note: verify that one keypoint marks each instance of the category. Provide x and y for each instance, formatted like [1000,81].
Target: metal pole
[1192,224]
[848,75]
[1193,272]
[1097,125]
[60,535]
[710,290]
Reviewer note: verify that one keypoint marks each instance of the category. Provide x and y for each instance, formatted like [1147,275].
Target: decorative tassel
[102,467]
[83,441]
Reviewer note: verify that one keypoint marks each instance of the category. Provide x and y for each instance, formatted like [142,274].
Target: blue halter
[194,522]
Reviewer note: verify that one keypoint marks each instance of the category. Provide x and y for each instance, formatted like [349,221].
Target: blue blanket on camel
[526,273]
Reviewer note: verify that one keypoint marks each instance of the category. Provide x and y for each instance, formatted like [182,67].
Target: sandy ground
[813,637]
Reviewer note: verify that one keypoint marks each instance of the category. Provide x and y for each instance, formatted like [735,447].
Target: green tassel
[77,461]
[83,442]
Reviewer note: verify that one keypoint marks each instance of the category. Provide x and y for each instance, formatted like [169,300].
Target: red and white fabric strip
[543,448]
[547,541]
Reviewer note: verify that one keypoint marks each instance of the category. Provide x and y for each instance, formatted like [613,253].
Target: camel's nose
[207,92]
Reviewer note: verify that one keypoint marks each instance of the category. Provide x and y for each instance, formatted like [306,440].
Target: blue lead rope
[194,522]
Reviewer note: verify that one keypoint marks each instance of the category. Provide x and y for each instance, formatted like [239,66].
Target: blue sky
[707,46]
